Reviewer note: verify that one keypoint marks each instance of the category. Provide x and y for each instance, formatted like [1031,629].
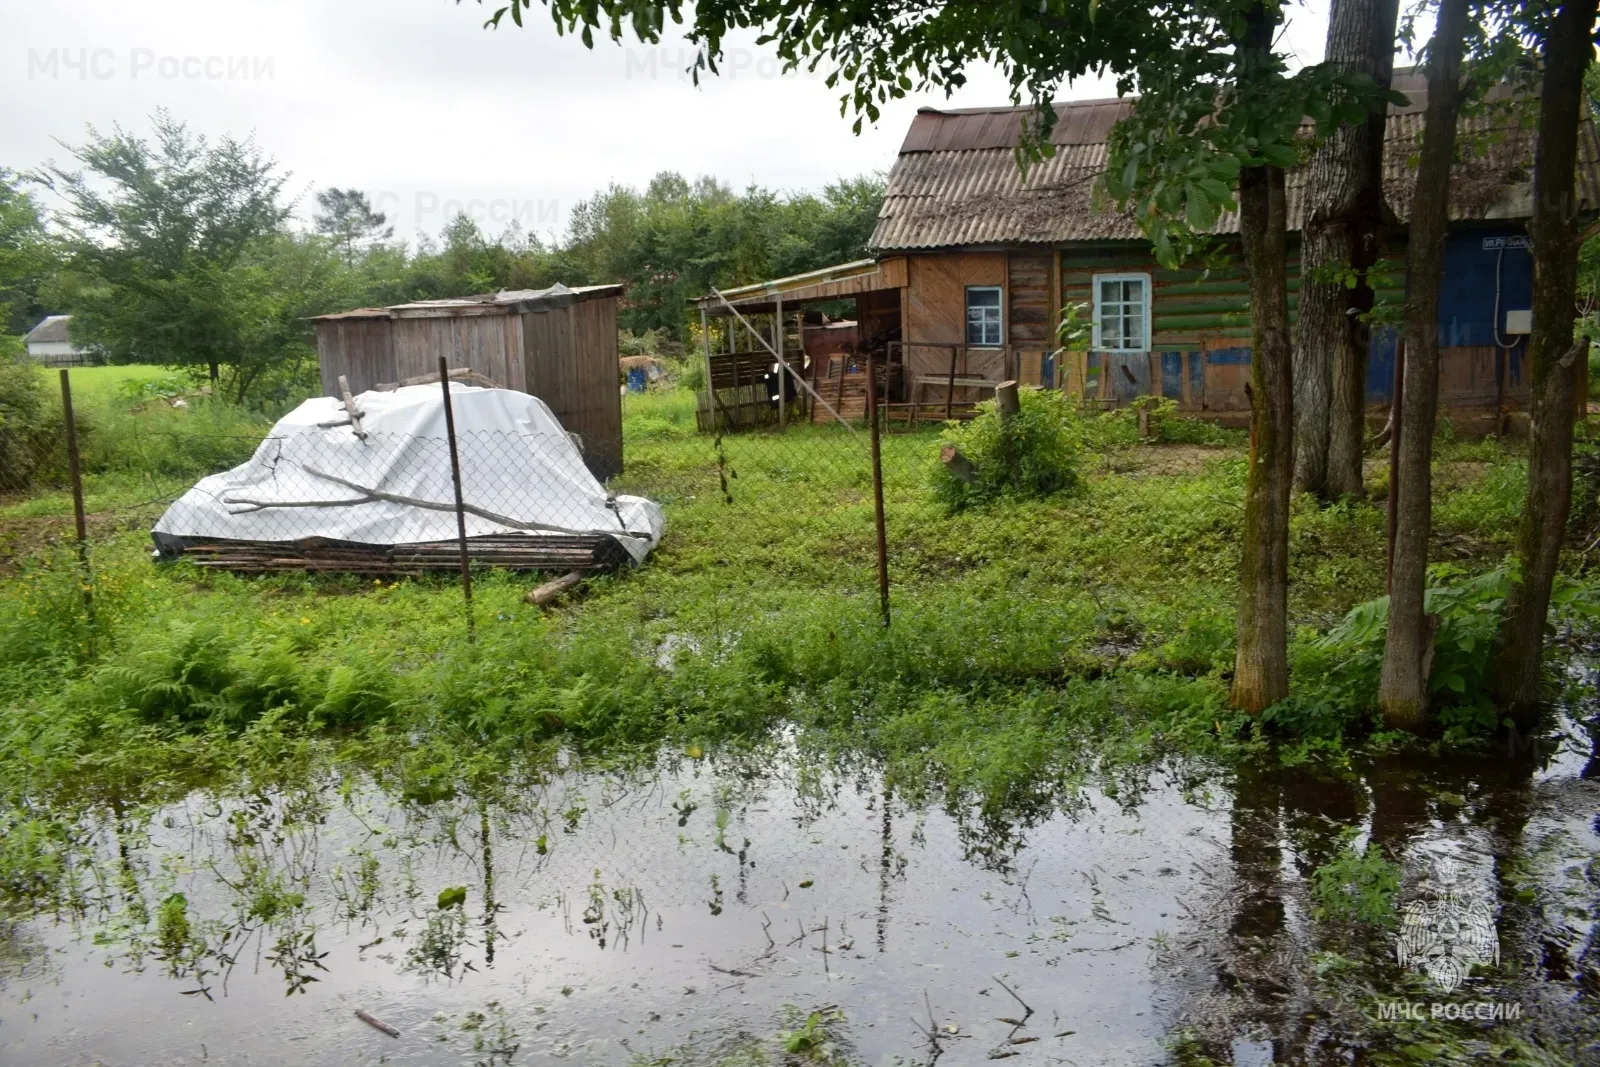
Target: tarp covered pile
[375,492]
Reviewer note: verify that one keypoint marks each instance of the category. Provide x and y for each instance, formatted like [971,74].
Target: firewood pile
[546,552]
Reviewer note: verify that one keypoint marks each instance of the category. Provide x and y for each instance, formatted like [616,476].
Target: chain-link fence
[820,500]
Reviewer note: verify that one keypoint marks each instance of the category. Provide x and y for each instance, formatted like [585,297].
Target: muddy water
[594,917]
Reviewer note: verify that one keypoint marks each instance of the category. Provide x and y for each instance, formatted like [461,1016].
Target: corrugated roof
[956,182]
[51,328]
[505,301]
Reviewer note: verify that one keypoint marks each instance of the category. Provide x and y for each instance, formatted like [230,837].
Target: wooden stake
[350,408]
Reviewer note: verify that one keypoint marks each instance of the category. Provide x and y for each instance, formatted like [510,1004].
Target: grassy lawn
[1029,638]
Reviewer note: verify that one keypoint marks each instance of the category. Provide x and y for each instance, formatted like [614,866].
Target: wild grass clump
[1120,427]
[1032,454]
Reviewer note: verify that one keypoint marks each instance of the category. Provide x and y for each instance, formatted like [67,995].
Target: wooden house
[557,344]
[974,262]
[50,343]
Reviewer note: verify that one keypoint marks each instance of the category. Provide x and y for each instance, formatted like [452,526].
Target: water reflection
[596,914]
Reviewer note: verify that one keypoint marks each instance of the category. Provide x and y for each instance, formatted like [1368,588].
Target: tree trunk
[1519,646]
[1261,664]
[1408,647]
[1343,232]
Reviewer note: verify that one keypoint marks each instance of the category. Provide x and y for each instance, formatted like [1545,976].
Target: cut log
[958,464]
[377,1024]
[1006,403]
[552,589]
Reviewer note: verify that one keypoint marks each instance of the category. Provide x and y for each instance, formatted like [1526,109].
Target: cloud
[416,103]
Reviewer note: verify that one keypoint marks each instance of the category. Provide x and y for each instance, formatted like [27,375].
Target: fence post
[461,513]
[877,485]
[75,470]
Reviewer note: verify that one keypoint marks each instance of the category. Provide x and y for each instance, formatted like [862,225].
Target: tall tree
[346,216]
[1408,646]
[1340,243]
[1261,663]
[155,229]
[1553,359]
[27,255]
[1215,110]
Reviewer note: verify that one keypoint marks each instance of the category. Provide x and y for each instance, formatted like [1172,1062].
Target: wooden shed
[558,344]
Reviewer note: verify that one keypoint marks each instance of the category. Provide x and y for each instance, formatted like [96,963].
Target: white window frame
[966,311]
[1133,277]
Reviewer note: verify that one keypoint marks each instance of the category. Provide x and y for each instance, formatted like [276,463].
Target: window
[983,316]
[1122,312]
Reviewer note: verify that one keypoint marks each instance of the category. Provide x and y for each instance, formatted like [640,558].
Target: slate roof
[51,328]
[956,181]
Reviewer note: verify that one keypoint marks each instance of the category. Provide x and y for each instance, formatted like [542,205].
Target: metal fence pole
[877,485]
[75,470]
[461,513]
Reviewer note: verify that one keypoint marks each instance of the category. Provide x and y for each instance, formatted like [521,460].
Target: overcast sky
[413,102]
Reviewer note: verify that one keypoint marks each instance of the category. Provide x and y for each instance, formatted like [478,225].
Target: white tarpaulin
[390,483]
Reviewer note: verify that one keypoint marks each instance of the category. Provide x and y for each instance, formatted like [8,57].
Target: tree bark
[1343,233]
[1261,664]
[1261,658]
[1408,647]
[1519,646]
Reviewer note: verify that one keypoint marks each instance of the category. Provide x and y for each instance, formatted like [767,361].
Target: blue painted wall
[1467,301]
[1467,298]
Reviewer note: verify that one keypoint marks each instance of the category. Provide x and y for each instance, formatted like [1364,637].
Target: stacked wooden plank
[545,552]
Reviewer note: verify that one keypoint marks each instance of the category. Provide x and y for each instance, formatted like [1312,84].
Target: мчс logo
[1451,929]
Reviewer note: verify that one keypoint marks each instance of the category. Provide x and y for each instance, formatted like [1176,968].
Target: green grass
[1031,638]
[134,449]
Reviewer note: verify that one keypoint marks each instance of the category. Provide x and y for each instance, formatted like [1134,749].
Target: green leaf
[453,897]
[1200,212]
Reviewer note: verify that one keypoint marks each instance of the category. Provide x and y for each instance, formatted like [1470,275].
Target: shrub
[1339,672]
[1032,454]
[29,423]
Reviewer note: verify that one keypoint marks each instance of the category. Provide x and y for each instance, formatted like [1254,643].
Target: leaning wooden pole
[783,367]
[461,510]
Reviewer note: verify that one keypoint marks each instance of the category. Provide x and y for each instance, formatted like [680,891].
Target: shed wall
[570,361]
[567,357]
[361,349]
[483,343]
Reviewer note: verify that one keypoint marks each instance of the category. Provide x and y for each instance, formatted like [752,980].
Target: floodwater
[589,917]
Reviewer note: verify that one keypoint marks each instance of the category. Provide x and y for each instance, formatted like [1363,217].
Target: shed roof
[956,182]
[504,302]
[50,328]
